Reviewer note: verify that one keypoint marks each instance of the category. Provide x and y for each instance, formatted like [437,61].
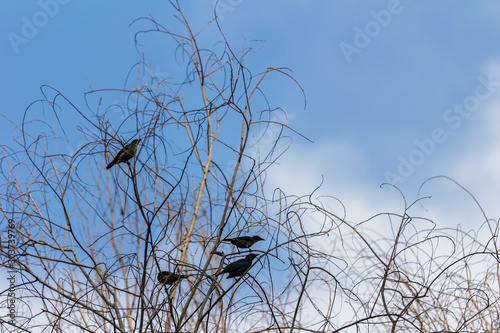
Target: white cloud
[475,165]
[344,168]
[345,171]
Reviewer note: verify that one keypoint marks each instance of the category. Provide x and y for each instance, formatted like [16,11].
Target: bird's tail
[110,165]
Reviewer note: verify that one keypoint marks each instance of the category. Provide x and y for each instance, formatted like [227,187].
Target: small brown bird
[125,154]
[165,277]
[243,242]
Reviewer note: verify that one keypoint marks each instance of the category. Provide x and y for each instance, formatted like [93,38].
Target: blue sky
[365,111]
[418,98]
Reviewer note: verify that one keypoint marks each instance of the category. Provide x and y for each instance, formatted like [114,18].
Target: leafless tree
[89,243]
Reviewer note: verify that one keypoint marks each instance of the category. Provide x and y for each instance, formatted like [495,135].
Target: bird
[165,277]
[243,242]
[125,154]
[239,267]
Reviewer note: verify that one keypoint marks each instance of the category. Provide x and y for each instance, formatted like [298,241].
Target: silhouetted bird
[125,154]
[239,267]
[243,242]
[165,277]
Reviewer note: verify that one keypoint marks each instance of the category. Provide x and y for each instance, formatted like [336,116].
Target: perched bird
[165,277]
[243,242]
[125,154]
[239,267]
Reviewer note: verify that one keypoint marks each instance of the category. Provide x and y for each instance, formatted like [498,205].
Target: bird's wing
[229,267]
[116,159]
